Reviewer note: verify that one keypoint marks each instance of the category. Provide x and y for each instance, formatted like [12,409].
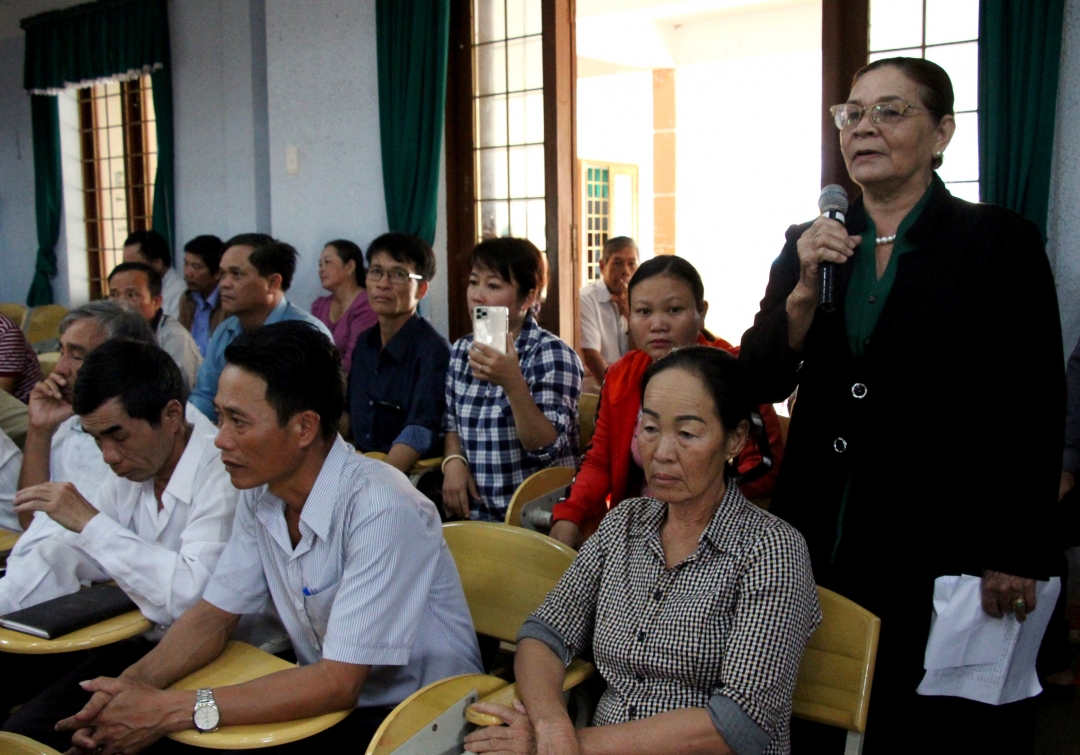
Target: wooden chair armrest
[577,672]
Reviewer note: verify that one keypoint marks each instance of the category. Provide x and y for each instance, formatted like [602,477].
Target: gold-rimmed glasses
[848,115]
[399,276]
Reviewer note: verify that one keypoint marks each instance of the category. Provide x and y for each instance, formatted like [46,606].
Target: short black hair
[268,255]
[153,277]
[722,375]
[514,260]
[676,267]
[152,246]
[301,367]
[406,249]
[207,248]
[142,376]
[348,251]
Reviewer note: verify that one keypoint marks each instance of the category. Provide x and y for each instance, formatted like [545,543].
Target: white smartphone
[490,325]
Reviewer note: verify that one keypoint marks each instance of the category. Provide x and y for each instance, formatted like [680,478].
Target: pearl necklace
[882,240]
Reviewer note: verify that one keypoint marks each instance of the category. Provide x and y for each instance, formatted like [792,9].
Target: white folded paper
[972,655]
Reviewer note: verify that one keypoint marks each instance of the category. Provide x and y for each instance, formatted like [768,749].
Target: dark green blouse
[866,293]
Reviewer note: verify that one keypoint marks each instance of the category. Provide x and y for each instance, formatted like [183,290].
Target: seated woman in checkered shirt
[507,415]
[695,603]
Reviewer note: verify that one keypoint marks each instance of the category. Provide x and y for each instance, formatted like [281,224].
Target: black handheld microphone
[833,203]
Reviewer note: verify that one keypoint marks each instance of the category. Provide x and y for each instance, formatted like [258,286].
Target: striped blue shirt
[371,581]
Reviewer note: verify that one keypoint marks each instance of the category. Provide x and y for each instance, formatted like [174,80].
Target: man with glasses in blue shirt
[398,376]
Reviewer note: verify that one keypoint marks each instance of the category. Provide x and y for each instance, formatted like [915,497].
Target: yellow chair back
[14,311]
[534,486]
[588,405]
[43,323]
[833,686]
[506,572]
[17,744]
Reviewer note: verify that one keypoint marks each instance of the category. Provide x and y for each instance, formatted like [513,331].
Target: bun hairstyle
[935,86]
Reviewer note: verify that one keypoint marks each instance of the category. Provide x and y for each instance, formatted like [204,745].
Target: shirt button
[839,445]
[371,403]
[658,594]
[858,390]
[641,636]
[633,711]
[872,299]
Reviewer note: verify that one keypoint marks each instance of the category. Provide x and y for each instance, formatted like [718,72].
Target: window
[946,32]
[608,209]
[509,120]
[118,145]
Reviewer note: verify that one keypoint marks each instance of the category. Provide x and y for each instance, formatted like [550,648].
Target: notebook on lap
[69,613]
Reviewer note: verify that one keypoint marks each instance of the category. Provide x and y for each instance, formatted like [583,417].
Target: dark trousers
[51,690]
[351,735]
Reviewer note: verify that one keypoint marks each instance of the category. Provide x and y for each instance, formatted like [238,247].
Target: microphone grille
[833,197]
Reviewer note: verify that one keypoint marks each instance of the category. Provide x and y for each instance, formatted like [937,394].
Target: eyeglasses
[398,276]
[883,113]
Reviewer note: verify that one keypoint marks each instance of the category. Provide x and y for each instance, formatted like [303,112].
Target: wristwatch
[207,717]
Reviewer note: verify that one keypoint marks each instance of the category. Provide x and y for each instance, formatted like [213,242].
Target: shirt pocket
[318,607]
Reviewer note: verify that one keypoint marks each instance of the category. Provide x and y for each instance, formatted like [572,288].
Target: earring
[938,154]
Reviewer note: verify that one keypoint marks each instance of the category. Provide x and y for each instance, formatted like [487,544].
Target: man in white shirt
[350,554]
[605,310]
[157,529]
[151,248]
[138,286]
[56,448]
[10,462]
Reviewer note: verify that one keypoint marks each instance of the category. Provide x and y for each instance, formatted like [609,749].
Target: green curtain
[45,123]
[412,47]
[1019,56]
[79,46]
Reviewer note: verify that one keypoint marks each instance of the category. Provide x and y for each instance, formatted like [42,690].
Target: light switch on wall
[292,159]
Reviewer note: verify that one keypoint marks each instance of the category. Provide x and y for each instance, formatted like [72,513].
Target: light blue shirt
[202,395]
[200,320]
[371,581]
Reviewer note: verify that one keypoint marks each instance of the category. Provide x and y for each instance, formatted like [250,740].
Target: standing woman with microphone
[927,432]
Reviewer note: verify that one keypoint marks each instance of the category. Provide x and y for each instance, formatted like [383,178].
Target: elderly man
[604,308]
[151,248]
[351,555]
[256,271]
[56,448]
[139,286]
[157,528]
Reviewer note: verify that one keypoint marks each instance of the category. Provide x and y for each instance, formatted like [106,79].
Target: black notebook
[68,613]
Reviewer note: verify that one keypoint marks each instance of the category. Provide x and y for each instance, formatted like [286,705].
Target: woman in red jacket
[667,310]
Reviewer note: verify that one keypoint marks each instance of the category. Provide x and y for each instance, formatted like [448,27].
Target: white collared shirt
[10,462]
[371,581]
[75,458]
[172,288]
[162,559]
[603,328]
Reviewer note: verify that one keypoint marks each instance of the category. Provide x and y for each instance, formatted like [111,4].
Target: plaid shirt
[479,412]
[724,630]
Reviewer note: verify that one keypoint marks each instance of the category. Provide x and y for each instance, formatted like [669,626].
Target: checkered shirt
[724,630]
[479,412]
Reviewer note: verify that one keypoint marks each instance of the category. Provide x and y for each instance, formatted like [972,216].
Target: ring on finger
[1019,605]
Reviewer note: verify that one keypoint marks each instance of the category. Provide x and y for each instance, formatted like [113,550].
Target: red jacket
[609,470]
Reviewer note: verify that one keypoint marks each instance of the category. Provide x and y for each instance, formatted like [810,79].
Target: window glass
[962,156]
[895,24]
[951,21]
[962,64]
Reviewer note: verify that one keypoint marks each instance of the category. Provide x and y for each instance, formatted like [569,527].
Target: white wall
[1063,226]
[18,229]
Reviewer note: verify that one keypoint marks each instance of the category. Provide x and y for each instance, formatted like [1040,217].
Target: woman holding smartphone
[509,412]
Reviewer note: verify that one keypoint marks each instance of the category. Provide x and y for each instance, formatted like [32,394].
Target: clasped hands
[125,716]
[520,736]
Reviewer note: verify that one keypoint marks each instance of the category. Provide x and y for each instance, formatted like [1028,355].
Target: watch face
[206,718]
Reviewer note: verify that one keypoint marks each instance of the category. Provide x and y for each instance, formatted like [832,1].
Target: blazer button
[858,390]
[839,445]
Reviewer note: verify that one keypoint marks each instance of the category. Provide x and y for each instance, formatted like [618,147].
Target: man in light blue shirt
[256,271]
[351,555]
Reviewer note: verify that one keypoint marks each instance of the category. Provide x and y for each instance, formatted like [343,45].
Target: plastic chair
[48,362]
[17,744]
[833,686]
[543,482]
[418,470]
[14,311]
[588,405]
[43,323]
[434,719]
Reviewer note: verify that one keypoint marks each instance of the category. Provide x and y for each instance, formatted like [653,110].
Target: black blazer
[954,452]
